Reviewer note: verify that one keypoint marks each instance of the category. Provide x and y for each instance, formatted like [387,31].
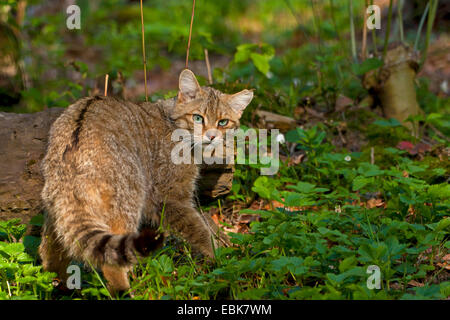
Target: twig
[291,8]
[9,289]
[316,22]
[419,30]
[374,37]
[143,52]
[400,19]
[341,136]
[364,39]
[333,19]
[208,67]
[106,84]
[190,34]
[372,155]
[439,133]
[388,30]
[21,8]
[352,30]
[430,22]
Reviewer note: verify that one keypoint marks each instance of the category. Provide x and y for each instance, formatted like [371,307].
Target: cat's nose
[211,135]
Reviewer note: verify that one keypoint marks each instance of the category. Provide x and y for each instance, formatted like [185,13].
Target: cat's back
[101,128]
[87,121]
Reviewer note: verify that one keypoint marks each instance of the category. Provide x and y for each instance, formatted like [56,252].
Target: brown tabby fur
[108,175]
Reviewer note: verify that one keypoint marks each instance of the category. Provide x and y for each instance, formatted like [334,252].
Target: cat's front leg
[183,218]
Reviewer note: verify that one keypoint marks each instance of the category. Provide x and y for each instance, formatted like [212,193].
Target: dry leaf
[414,283]
[444,265]
[216,218]
[342,102]
[295,159]
[375,203]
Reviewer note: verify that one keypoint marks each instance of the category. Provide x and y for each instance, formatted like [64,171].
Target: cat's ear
[188,86]
[239,101]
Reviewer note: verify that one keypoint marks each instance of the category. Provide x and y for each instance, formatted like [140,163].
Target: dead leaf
[444,265]
[298,112]
[412,149]
[406,146]
[314,113]
[342,102]
[216,218]
[422,148]
[375,203]
[414,283]
[272,120]
[247,218]
[295,160]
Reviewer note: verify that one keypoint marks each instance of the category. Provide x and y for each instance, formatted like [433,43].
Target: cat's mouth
[205,141]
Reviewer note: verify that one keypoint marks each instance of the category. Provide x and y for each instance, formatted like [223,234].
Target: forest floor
[359,208]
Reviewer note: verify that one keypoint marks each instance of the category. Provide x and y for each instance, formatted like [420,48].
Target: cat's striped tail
[100,247]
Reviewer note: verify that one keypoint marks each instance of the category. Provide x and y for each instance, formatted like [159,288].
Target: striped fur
[108,173]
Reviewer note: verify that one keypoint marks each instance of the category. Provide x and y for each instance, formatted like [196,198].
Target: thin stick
[339,38]
[208,67]
[106,85]
[316,22]
[374,37]
[143,52]
[364,39]
[388,30]
[400,20]
[430,23]
[291,8]
[333,19]
[419,30]
[372,155]
[352,30]
[190,34]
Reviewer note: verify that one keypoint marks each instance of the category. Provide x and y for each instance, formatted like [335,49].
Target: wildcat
[109,176]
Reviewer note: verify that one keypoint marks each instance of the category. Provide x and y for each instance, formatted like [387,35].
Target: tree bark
[23,140]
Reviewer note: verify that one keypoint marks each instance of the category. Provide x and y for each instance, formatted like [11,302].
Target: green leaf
[443,225]
[302,187]
[359,182]
[388,123]
[347,263]
[366,66]
[261,62]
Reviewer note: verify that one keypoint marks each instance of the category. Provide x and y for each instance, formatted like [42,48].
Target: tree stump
[394,84]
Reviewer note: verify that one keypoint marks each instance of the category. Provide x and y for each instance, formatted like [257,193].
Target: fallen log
[23,140]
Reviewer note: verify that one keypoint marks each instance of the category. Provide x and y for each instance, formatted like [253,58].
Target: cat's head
[205,111]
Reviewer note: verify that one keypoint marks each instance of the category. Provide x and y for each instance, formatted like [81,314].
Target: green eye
[197,118]
[223,122]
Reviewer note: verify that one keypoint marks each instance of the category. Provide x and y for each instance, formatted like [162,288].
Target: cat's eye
[197,118]
[223,122]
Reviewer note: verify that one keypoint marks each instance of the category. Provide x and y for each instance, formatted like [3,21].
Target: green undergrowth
[337,214]
[327,217]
